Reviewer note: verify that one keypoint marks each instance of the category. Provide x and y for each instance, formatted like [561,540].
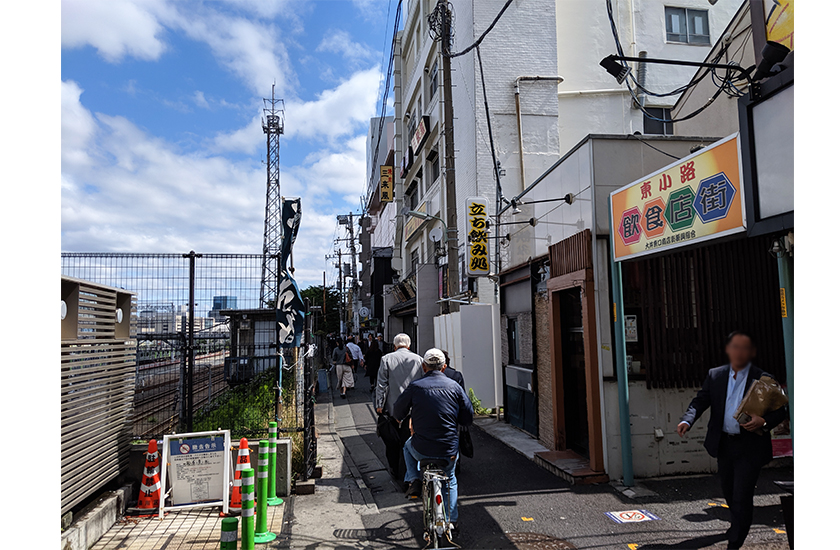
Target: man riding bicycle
[437,405]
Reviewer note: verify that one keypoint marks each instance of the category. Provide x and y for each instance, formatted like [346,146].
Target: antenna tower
[273,125]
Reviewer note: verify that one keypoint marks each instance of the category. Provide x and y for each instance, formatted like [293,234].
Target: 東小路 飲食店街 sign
[696,198]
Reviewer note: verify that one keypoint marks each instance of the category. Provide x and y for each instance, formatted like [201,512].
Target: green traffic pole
[248,509]
[229,527]
[621,367]
[262,534]
[273,499]
[785,262]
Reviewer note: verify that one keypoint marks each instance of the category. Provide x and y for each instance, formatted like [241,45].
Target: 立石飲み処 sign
[478,258]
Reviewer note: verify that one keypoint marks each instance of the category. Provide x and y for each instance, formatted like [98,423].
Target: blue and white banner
[289,311]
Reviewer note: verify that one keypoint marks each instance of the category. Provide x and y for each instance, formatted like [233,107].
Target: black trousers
[739,464]
[394,452]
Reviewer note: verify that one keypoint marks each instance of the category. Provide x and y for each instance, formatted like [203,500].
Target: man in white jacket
[396,371]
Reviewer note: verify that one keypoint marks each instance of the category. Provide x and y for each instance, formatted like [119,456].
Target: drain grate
[537,541]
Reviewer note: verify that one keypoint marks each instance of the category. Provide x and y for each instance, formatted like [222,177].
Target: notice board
[197,466]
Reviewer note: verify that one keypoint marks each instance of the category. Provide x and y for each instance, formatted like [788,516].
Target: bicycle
[436,524]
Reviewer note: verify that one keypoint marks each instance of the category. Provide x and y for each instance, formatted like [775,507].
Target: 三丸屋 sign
[386,183]
[478,263]
[697,198]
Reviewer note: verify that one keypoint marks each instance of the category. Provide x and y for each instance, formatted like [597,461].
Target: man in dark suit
[741,450]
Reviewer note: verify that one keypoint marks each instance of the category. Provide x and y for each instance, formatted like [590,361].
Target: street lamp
[426,217]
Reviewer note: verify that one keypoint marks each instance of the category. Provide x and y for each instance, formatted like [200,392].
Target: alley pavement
[506,500]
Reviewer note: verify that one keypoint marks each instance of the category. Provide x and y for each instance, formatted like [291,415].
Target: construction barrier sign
[478,258]
[695,199]
[197,466]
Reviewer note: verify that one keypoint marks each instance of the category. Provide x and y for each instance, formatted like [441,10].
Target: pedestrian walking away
[343,363]
[741,449]
[396,371]
[437,405]
[355,354]
[373,356]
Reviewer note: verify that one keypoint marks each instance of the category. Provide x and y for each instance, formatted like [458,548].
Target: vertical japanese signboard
[478,262]
[692,200]
[386,184]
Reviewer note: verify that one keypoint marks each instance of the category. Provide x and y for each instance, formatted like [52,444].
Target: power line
[436,23]
[385,91]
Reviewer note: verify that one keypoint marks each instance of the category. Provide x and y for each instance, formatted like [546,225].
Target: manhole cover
[537,541]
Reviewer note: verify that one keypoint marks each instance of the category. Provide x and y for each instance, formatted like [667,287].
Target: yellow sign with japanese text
[478,258]
[386,184]
[695,199]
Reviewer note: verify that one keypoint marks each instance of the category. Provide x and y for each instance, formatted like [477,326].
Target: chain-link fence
[206,353]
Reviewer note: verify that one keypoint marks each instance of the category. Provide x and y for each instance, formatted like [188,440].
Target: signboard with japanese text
[412,224]
[478,258]
[386,184]
[197,468]
[695,199]
[420,135]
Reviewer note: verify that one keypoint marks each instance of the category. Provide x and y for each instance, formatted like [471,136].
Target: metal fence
[195,364]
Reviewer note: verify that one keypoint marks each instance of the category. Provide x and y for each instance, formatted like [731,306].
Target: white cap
[434,357]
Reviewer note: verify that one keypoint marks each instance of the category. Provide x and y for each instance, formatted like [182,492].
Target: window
[513,341]
[687,26]
[434,166]
[415,259]
[411,198]
[657,126]
[433,80]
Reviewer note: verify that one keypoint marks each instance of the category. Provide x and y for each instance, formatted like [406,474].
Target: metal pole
[191,340]
[785,263]
[621,369]
[308,397]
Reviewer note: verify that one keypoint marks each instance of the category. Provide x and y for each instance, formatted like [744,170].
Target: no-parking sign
[631,516]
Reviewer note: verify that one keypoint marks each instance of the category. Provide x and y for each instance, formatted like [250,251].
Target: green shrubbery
[476,403]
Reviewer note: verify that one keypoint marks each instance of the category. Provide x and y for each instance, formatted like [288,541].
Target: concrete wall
[543,348]
[650,410]
[427,307]
[584,38]
[526,34]
[721,117]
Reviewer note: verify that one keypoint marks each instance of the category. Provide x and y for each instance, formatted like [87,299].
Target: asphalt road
[507,501]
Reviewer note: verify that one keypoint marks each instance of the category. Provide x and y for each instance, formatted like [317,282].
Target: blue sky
[161,144]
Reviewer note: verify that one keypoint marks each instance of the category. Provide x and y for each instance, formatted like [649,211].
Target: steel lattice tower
[273,125]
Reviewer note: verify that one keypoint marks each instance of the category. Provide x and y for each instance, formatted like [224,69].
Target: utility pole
[343,309]
[453,276]
[355,287]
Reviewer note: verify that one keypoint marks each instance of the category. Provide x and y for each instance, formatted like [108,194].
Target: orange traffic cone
[149,498]
[243,462]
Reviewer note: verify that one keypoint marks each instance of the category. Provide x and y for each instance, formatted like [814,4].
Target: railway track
[157,394]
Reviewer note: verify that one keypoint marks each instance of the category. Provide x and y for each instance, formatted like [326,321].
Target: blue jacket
[437,405]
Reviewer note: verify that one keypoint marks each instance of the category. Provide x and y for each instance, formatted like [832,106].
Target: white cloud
[139,193]
[200,100]
[77,127]
[250,50]
[336,112]
[340,42]
[116,28]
